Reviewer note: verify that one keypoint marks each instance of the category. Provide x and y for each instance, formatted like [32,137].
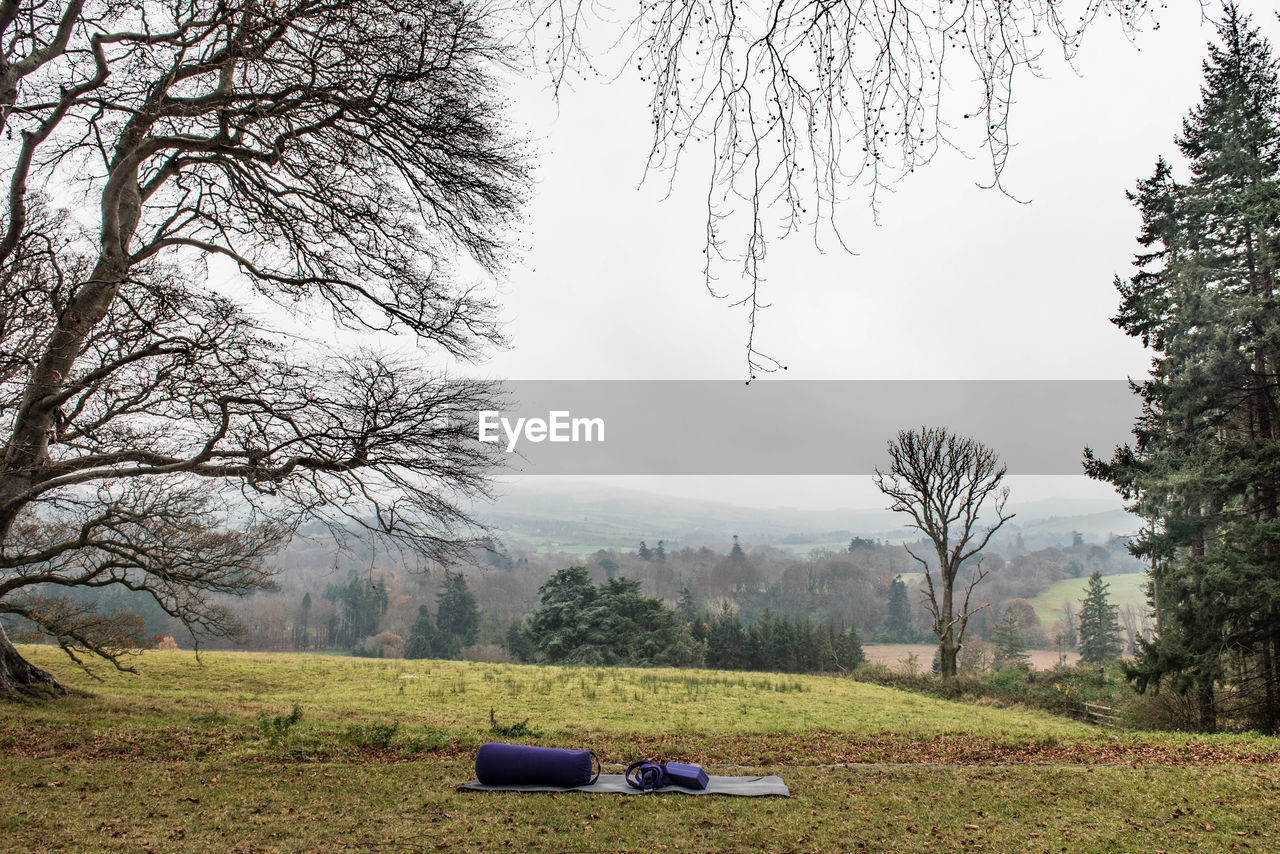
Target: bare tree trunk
[1272,713]
[948,653]
[1206,707]
[19,676]
[948,649]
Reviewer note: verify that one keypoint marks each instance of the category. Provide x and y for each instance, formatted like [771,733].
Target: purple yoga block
[500,764]
[688,776]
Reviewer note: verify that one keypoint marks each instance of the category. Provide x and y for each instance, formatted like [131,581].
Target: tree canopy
[159,433]
[579,622]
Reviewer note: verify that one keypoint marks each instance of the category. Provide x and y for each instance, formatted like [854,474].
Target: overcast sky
[955,282]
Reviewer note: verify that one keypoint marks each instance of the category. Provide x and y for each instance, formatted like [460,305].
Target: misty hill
[583,517]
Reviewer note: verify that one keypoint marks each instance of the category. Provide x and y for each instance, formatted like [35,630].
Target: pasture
[190,756]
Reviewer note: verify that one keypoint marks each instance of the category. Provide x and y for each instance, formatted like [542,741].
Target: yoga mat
[616,784]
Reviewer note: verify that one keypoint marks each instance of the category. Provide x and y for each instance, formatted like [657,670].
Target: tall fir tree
[1099,631]
[457,615]
[1204,470]
[898,626]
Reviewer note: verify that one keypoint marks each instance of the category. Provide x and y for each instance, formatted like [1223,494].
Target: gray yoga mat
[616,784]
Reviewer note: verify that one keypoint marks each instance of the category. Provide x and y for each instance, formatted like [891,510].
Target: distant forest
[379,604]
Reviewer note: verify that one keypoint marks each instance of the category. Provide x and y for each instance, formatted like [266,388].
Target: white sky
[956,282]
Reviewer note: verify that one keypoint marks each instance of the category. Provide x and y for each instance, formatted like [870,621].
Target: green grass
[191,757]
[1125,589]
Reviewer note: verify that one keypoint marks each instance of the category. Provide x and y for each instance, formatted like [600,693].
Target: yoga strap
[646,775]
[595,776]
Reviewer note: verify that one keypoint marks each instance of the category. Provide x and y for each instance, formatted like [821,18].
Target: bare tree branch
[799,106]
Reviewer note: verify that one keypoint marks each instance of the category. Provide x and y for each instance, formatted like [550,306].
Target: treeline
[371,603]
[779,644]
[613,623]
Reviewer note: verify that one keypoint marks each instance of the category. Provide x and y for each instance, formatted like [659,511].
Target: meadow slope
[189,756]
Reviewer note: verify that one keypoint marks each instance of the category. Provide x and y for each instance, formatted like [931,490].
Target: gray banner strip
[808,427]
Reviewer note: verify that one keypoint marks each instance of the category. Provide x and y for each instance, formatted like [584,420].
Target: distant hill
[583,517]
[1127,589]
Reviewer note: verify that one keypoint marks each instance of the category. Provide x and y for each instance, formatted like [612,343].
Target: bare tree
[1135,622]
[797,106]
[1070,624]
[942,481]
[343,155]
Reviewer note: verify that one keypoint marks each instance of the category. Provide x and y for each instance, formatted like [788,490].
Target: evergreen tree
[520,643]
[726,642]
[858,544]
[557,626]
[660,553]
[898,627]
[579,623]
[424,641]
[457,615]
[845,649]
[1011,647]
[1204,470]
[363,601]
[687,608]
[1099,632]
[644,553]
[605,561]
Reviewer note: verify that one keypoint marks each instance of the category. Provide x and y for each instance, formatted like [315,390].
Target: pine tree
[1099,632]
[580,623]
[898,627]
[424,640]
[1204,471]
[687,607]
[457,615]
[726,642]
[1011,648]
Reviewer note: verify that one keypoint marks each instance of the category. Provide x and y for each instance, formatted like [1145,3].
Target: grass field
[201,757]
[1126,589]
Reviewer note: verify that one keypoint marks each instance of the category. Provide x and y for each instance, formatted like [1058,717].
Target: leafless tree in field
[943,481]
[348,158]
[790,108]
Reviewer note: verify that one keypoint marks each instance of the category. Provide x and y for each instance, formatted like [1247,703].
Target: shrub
[377,736]
[276,729]
[383,645]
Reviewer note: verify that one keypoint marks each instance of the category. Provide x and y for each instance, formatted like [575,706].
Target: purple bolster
[522,764]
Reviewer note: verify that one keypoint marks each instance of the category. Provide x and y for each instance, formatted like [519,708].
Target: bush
[377,736]
[381,736]
[276,729]
[1167,711]
[1062,690]
[382,645]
